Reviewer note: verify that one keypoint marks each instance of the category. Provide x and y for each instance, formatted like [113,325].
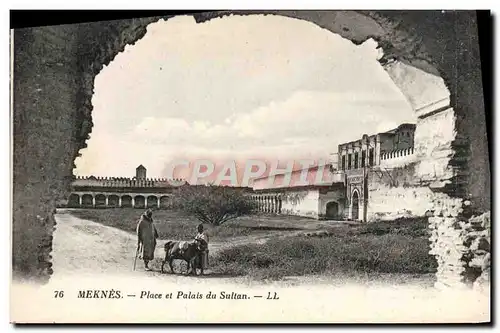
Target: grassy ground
[176,225]
[386,247]
[399,247]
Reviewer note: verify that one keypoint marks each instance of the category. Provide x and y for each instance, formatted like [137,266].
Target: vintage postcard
[251,167]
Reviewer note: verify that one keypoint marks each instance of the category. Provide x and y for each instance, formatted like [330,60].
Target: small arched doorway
[139,202]
[355,206]
[100,201]
[87,201]
[74,201]
[113,201]
[332,210]
[152,201]
[126,201]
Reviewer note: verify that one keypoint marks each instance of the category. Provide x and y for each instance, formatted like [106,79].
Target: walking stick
[136,255]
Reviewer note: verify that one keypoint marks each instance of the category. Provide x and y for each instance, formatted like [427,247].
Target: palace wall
[301,203]
[393,193]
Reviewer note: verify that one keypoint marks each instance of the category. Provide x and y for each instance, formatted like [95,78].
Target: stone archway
[139,201]
[100,201]
[126,201]
[152,201]
[63,61]
[332,210]
[113,201]
[355,206]
[87,201]
[74,201]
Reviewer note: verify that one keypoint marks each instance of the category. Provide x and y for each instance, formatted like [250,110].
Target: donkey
[190,252]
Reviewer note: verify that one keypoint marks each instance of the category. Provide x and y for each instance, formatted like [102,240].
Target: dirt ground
[87,248]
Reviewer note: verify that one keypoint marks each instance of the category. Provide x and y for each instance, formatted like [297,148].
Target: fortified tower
[140,172]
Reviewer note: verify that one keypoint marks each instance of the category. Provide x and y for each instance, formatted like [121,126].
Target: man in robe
[204,255]
[146,237]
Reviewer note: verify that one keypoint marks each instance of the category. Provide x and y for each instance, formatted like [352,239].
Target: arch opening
[355,206]
[87,201]
[139,201]
[74,201]
[113,201]
[152,201]
[100,201]
[332,210]
[126,201]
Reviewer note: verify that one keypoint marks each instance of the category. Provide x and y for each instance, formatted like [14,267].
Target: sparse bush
[213,204]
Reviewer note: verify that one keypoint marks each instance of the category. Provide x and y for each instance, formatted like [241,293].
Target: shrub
[213,204]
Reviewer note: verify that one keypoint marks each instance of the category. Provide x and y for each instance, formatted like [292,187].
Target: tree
[213,204]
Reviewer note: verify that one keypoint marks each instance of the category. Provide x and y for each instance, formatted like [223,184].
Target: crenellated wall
[126,182]
[397,158]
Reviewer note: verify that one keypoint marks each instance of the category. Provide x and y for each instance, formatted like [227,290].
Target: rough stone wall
[478,235]
[45,137]
[54,70]
[461,246]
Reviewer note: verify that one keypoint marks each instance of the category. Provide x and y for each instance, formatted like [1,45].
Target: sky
[232,89]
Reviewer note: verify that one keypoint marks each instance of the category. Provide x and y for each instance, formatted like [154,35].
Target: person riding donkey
[146,238]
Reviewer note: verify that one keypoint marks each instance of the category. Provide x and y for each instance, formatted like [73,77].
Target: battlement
[121,182]
[398,158]
[397,153]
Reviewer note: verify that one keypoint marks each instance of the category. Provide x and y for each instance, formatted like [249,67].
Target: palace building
[359,184]
[342,189]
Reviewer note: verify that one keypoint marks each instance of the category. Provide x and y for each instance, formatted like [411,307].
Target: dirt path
[89,248]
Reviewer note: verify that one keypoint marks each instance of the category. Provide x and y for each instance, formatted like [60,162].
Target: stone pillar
[80,200]
[158,202]
[376,151]
[107,201]
[45,76]
[133,202]
[120,201]
[93,201]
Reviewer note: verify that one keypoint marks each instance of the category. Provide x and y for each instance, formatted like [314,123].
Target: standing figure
[203,260]
[146,237]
